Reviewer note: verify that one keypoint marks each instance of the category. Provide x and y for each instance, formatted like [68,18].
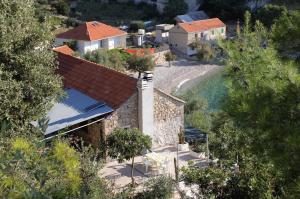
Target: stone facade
[168,118]
[124,117]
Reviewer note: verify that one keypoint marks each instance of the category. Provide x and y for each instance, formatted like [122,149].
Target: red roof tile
[91,31]
[141,51]
[96,81]
[64,49]
[202,25]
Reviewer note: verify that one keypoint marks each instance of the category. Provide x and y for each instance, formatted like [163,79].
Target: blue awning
[75,108]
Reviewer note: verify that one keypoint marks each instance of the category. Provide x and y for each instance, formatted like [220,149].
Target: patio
[120,173]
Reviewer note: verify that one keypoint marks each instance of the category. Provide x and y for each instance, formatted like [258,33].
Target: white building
[92,36]
[183,35]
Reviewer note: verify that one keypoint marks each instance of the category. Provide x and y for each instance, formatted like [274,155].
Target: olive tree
[169,57]
[140,63]
[125,144]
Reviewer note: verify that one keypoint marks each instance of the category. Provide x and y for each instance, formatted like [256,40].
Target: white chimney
[145,104]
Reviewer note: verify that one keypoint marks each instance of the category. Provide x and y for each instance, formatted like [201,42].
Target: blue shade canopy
[76,107]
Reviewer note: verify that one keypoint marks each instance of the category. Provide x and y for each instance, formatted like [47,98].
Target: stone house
[93,36]
[183,35]
[111,99]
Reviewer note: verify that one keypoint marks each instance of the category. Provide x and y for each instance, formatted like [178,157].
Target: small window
[222,30]
[202,34]
[212,32]
[196,36]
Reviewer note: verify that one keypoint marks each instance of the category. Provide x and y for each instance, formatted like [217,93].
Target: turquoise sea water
[210,87]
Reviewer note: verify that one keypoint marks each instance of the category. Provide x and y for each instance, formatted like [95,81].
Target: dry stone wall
[124,117]
[168,119]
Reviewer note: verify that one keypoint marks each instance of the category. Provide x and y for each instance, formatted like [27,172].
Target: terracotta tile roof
[202,25]
[91,31]
[140,51]
[64,49]
[96,81]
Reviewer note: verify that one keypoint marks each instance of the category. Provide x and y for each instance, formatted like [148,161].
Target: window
[202,34]
[222,30]
[101,43]
[213,32]
[196,36]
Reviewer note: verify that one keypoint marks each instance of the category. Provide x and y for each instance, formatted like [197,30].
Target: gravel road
[172,78]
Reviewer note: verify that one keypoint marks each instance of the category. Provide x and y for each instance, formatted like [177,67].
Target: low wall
[159,57]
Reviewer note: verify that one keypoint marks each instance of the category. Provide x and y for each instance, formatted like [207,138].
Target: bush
[157,188]
[115,58]
[205,52]
[62,7]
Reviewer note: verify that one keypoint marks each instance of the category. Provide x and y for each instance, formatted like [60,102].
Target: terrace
[119,174]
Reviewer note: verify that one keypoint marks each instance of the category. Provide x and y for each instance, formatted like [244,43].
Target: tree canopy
[27,66]
[256,136]
[174,8]
[125,144]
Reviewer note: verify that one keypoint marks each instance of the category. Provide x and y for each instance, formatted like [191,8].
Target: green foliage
[174,8]
[196,114]
[140,63]
[204,52]
[114,13]
[169,57]
[224,9]
[285,33]
[125,144]
[27,66]
[62,7]
[252,180]
[269,13]
[160,187]
[29,169]
[115,58]
[263,105]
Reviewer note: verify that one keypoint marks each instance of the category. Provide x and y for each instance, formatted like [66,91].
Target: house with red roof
[183,35]
[93,36]
[100,99]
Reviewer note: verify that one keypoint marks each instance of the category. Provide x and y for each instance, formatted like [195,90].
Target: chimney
[145,104]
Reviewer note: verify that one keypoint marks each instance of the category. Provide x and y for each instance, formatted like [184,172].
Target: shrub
[160,187]
[204,52]
[135,25]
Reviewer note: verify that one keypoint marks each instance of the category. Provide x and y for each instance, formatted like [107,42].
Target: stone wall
[159,57]
[168,118]
[124,117]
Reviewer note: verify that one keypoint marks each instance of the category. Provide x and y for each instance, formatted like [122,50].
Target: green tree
[62,7]
[269,13]
[140,63]
[285,33]
[225,9]
[27,66]
[263,102]
[125,144]
[174,8]
[169,57]
[29,169]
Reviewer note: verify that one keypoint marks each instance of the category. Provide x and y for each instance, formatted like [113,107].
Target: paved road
[171,78]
